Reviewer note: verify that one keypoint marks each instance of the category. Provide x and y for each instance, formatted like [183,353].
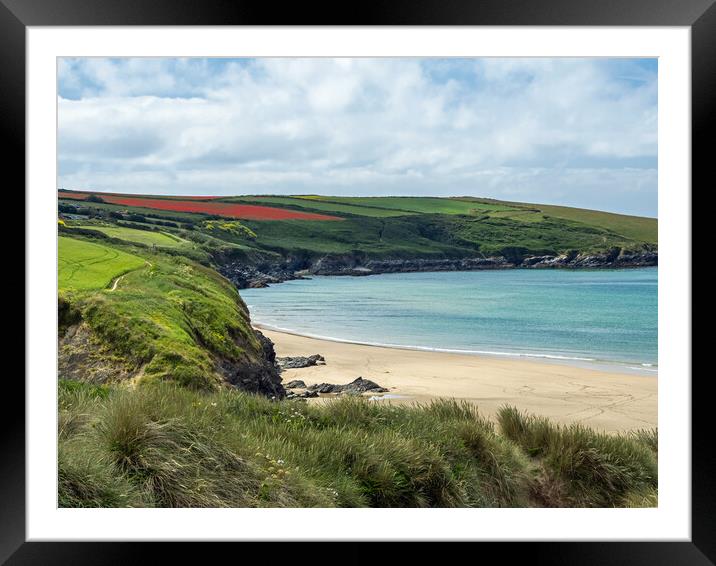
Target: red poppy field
[194,204]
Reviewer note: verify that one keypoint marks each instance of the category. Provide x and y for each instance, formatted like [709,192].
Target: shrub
[177,465]
[84,480]
[647,437]
[595,469]
[230,227]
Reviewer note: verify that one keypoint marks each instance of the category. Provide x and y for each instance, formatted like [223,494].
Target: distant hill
[278,235]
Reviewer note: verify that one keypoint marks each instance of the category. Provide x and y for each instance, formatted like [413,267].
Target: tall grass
[585,468]
[166,446]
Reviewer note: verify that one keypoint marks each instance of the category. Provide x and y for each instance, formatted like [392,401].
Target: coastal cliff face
[261,376]
[176,322]
[252,275]
[83,355]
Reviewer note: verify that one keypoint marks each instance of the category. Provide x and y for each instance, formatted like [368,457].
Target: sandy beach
[603,400]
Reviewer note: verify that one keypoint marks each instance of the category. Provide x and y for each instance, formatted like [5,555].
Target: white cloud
[580,132]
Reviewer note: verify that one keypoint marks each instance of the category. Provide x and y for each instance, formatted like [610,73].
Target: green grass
[86,265]
[375,237]
[164,446]
[416,205]
[637,228]
[435,235]
[633,227]
[583,467]
[146,237]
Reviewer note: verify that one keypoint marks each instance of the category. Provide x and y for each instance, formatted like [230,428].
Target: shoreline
[607,400]
[249,276]
[631,368]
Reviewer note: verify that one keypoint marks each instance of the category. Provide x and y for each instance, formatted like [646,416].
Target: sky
[577,132]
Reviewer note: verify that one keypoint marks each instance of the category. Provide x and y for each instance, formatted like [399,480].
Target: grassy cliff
[130,313]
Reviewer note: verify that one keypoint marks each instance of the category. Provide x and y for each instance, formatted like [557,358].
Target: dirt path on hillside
[118,279]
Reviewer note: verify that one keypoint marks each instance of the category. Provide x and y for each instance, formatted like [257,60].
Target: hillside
[259,239]
[130,314]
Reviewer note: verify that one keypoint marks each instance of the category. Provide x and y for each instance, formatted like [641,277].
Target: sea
[600,318]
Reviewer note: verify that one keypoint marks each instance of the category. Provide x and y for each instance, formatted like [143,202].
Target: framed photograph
[420,276]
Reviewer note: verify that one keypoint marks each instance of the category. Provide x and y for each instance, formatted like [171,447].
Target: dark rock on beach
[355,387]
[297,362]
[295,384]
[303,395]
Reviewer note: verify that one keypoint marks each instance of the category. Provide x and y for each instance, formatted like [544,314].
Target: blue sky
[579,132]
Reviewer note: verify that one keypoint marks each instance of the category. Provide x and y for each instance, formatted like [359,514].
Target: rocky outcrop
[355,387]
[245,275]
[307,394]
[82,356]
[333,266]
[298,362]
[616,258]
[262,377]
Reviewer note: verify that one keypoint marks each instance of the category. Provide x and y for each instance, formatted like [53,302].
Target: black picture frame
[17,15]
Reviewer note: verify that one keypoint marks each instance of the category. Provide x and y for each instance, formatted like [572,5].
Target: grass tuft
[589,469]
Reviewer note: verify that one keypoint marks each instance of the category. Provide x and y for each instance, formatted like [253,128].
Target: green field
[444,235]
[85,265]
[146,237]
[638,228]
[416,205]
[633,227]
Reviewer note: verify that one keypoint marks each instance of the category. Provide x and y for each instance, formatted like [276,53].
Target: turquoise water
[582,316]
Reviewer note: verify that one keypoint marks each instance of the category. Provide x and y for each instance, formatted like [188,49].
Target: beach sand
[603,400]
